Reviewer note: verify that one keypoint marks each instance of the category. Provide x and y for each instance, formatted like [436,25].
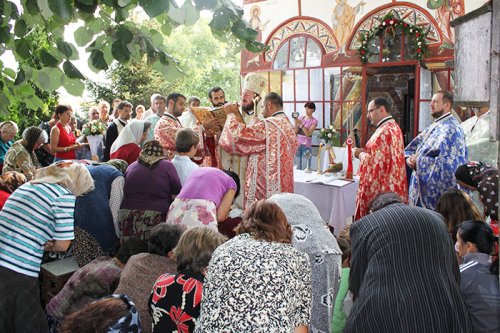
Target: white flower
[391,22]
[383,23]
[322,130]
[411,30]
[419,43]
[331,127]
[330,135]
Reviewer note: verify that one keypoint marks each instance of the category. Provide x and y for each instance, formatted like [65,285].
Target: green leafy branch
[108,34]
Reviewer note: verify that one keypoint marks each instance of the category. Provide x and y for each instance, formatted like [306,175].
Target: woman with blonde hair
[257,281]
[179,295]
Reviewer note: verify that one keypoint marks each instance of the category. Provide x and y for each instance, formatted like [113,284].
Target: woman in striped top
[37,216]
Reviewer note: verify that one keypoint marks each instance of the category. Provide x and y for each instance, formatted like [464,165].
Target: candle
[319,157]
[352,120]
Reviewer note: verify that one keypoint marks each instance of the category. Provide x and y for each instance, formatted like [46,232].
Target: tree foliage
[107,34]
[205,62]
[25,111]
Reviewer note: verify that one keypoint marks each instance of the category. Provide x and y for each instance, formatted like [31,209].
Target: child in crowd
[186,143]
[343,302]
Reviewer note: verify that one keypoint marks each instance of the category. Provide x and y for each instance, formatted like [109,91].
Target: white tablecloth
[335,204]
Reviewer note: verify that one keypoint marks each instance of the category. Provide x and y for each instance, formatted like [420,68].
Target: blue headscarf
[130,323]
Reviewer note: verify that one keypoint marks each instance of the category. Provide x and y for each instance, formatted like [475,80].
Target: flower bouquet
[94,127]
[331,136]
[94,131]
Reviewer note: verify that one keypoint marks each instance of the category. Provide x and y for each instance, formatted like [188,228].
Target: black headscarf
[485,179]
[473,172]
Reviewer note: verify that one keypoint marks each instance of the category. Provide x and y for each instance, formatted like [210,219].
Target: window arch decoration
[405,12]
[390,24]
[298,51]
[304,26]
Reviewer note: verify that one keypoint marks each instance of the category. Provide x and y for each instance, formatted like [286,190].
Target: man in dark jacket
[404,274]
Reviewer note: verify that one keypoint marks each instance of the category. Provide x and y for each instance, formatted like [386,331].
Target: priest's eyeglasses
[370,111]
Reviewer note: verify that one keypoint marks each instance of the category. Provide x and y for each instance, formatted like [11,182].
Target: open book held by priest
[204,114]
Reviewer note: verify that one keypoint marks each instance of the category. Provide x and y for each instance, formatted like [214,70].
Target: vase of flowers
[94,131]
[331,137]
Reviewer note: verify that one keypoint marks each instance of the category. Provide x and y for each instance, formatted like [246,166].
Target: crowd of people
[186,225]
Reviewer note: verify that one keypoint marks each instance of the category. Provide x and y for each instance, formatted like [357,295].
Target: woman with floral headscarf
[9,182]
[21,156]
[8,130]
[37,216]
[150,184]
[481,177]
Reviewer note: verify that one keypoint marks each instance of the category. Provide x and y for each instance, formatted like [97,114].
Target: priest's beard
[248,107]
[438,114]
[218,105]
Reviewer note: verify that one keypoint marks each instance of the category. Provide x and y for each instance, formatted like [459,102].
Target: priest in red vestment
[167,127]
[270,145]
[382,162]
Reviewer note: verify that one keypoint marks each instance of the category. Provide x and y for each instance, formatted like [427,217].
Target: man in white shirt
[158,106]
[150,111]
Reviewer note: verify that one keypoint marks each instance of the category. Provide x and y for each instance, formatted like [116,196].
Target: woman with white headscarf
[127,145]
[37,217]
[312,236]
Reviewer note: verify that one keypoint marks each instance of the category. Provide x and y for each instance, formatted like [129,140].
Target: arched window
[298,75]
[298,52]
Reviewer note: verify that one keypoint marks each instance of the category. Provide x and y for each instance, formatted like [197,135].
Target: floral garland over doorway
[388,24]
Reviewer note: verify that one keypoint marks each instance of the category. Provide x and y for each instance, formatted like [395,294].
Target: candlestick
[319,157]
[348,174]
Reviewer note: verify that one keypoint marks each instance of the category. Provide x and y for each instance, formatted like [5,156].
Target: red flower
[198,290]
[405,25]
[362,51]
[417,34]
[179,317]
[419,50]
[160,287]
